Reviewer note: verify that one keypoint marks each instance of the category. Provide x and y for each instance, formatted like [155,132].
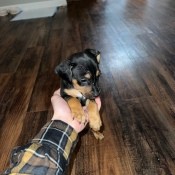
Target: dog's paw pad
[79,116]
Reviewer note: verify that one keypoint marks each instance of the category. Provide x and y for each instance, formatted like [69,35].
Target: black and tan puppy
[79,86]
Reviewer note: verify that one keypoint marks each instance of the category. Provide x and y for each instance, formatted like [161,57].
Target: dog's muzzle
[96,91]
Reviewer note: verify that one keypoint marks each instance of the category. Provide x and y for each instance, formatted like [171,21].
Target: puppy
[79,86]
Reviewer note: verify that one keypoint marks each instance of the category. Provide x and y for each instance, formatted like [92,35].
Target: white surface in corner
[35,5]
[14,2]
[35,13]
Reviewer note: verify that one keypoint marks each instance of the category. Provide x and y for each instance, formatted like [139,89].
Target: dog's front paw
[98,135]
[95,121]
[77,110]
[78,113]
[94,116]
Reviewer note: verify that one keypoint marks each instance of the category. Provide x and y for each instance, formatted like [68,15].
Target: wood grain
[137,43]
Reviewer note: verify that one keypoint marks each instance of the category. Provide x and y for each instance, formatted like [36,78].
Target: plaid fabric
[47,154]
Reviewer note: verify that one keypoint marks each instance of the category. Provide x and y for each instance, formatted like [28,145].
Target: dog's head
[81,72]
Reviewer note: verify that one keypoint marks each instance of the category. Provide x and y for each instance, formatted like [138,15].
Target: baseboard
[36,5]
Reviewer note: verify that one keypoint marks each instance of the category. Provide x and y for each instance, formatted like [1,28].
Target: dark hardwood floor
[137,43]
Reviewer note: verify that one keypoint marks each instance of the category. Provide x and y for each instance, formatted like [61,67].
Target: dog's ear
[64,70]
[93,53]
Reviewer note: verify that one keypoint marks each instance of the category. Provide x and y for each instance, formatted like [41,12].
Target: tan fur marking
[97,73]
[82,89]
[94,116]
[98,58]
[76,109]
[73,93]
[94,120]
[87,75]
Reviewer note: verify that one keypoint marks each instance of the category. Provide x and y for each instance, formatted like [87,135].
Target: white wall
[13,2]
[31,4]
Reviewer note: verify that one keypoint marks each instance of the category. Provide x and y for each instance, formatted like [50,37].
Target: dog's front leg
[94,119]
[76,109]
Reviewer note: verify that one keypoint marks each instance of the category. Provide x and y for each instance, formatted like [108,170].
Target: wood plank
[16,99]
[44,88]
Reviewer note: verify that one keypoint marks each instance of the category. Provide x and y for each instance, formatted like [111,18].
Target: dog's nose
[96,91]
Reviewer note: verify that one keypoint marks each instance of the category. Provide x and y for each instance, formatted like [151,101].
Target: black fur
[75,68]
